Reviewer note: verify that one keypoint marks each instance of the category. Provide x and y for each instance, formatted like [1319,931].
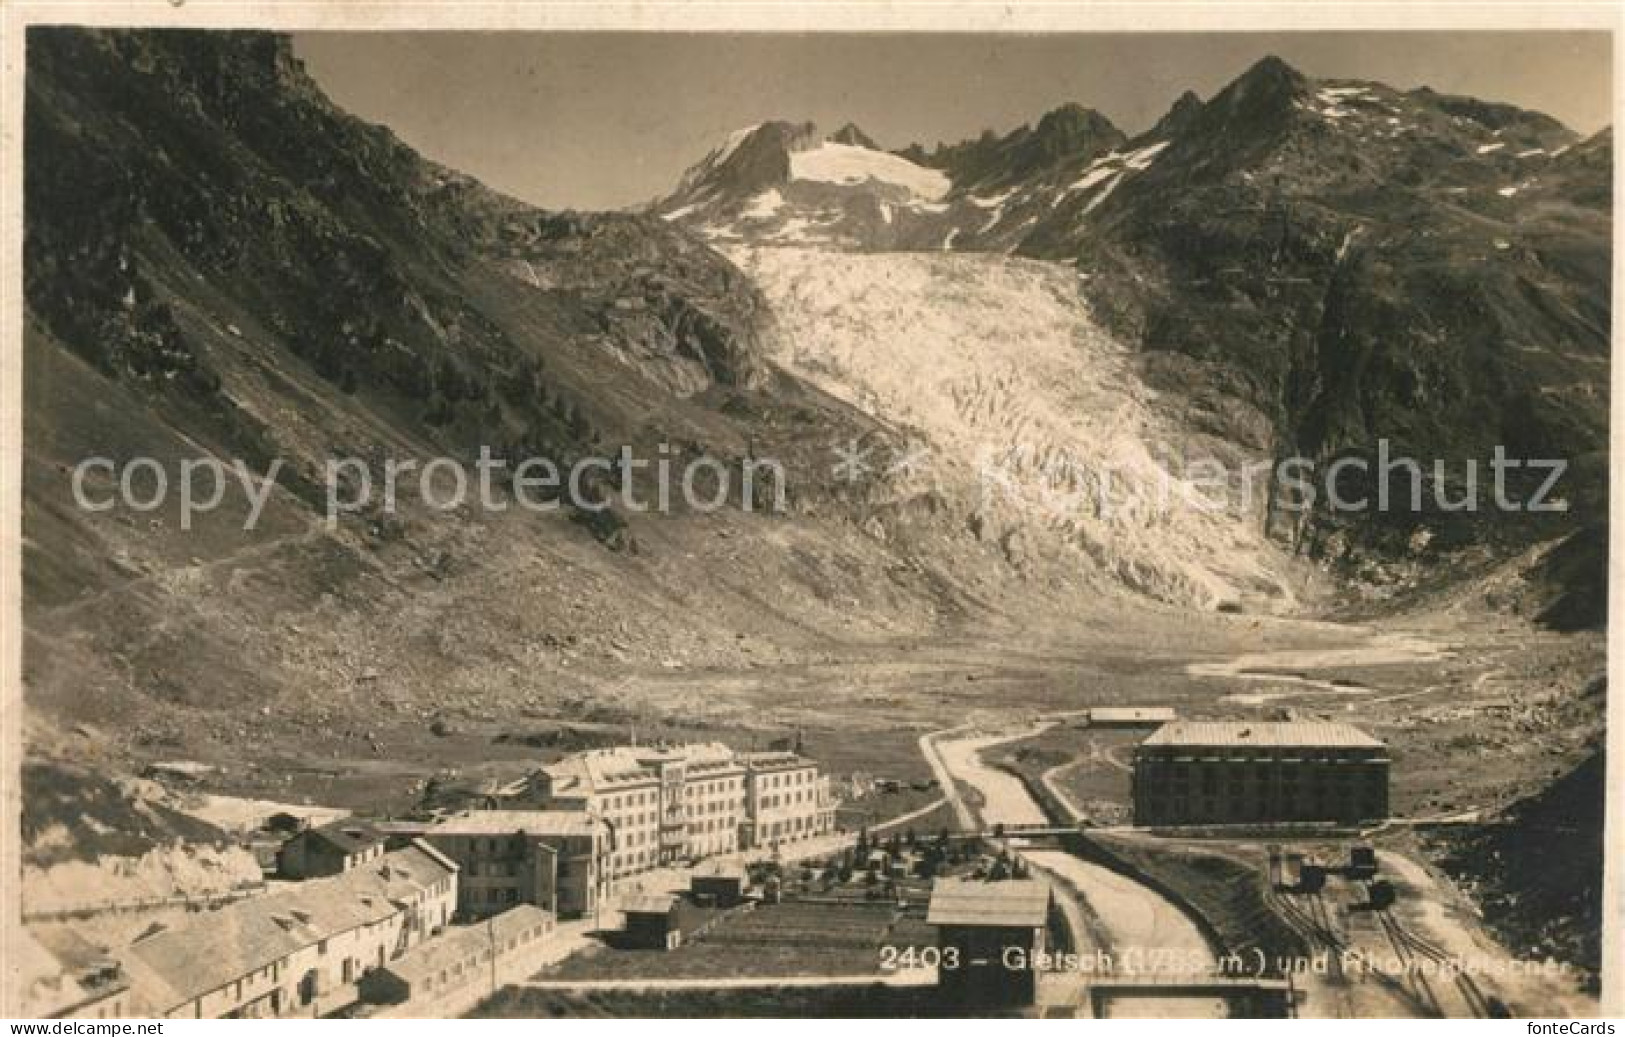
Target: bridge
[1259,997]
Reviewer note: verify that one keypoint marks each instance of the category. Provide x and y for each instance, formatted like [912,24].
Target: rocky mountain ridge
[1310,268]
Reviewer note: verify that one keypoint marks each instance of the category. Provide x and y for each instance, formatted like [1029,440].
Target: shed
[652,922]
[992,930]
[722,886]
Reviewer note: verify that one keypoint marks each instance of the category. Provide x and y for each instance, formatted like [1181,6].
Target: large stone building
[1218,773]
[554,859]
[786,800]
[298,953]
[669,804]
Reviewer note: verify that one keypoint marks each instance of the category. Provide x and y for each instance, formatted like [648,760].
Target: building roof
[396,828]
[732,870]
[1132,714]
[466,943]
[59,970]
[348,837]
[1019,903]
[1296,734]
[175,966]
[632,766]
[775,760]
[515,822]
[648,904]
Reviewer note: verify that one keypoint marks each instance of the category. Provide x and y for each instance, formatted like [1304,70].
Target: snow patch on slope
[763,206]
[1114,167]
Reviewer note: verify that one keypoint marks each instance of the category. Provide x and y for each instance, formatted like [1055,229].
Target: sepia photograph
[906,516]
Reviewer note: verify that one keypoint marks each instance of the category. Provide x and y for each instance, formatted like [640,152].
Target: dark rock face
[758,160]
[173,152]
[1065,139]
[1549,903]
[851,135]
[1344,263]
[1178,119]
[245,268]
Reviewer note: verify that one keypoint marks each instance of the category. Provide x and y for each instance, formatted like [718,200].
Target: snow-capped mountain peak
[782,181]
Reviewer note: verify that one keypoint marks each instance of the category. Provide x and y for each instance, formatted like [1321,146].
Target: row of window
[789,828]
[458,969]
[1370,803]
[493,869]
[493,895]
[710,825]
[1288,782]
[716,787]
[650,797]
[713,788]
[801,777]
[788,799]
[1296,758]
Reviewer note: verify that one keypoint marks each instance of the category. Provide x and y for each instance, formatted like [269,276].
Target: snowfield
[998,366]
[846,164]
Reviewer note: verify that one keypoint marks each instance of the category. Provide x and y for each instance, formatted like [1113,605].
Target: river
[1141,925]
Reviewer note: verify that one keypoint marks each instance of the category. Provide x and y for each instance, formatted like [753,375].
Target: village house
[64,976]
[329,849]
[297,953]
[722,885]
[653,922]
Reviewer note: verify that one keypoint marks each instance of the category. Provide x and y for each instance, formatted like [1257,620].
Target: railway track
[1413,949]
[1310,917]
[1432,977]
[1314,928]
[1312,923]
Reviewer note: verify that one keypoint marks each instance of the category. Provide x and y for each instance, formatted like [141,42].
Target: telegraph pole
[491,938]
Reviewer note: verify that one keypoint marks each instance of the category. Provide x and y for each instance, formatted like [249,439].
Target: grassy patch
[855,1002]
[824,937]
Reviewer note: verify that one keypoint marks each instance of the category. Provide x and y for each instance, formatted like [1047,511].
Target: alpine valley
[993,374]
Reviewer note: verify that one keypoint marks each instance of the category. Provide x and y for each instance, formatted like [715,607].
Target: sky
[602,120]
